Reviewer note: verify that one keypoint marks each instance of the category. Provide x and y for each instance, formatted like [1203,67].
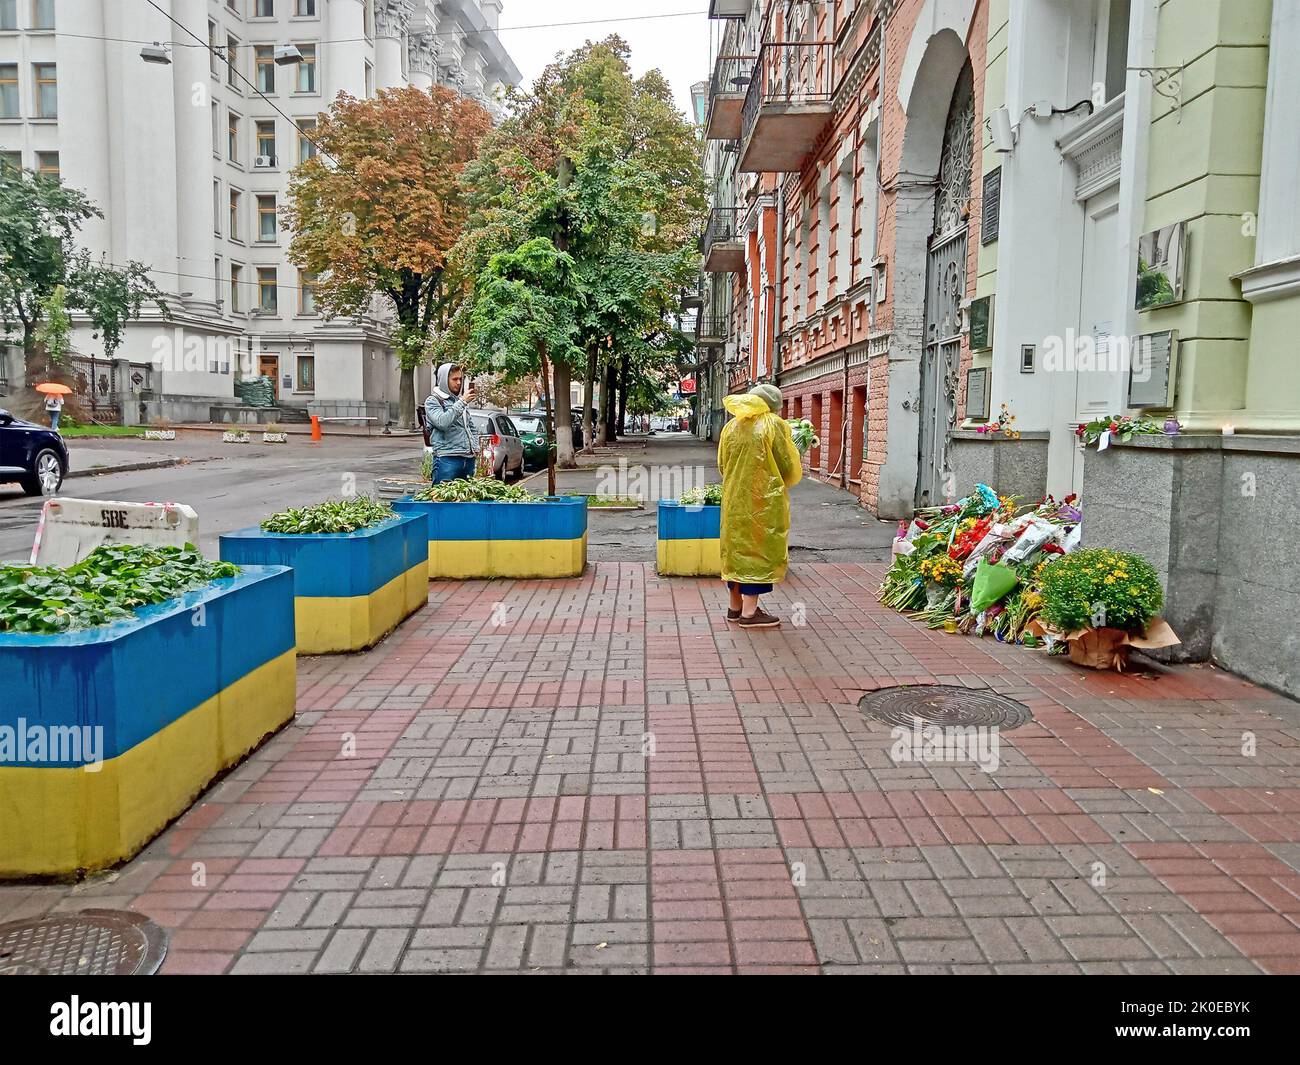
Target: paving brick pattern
[615,780]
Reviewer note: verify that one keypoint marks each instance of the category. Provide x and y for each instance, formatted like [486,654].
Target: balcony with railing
[712,327]
[787,106]
[722,245]
[731,77]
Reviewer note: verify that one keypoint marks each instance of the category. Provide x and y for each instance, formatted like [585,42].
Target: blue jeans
[751,589]
[54,419]
[452,468]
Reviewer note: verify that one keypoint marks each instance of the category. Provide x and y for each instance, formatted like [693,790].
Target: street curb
[129,467]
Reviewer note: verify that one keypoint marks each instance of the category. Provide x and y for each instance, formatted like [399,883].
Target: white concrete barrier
[70,529]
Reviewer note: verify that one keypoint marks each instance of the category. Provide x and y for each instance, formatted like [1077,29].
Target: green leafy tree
[39,221]
[525,309]
[379,217]
[604,167]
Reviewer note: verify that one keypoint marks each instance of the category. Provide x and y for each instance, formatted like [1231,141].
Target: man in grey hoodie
[451,432]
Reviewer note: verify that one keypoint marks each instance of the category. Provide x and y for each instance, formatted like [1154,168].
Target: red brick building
[842,251]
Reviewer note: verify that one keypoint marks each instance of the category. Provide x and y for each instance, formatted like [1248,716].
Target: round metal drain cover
[944,705]
[87,943]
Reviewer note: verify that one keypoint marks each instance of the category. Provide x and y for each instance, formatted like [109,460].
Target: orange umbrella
[53,388]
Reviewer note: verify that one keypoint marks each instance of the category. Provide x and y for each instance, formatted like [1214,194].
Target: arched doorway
[945,288]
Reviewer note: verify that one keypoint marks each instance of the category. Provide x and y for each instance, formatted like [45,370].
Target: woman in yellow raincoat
[759,463]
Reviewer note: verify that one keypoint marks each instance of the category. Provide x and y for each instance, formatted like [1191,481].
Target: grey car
[499,439]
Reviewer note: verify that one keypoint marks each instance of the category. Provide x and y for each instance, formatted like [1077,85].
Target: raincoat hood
[746,406]
[758,462]
[440,379]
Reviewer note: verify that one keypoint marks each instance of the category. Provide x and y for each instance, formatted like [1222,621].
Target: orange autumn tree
[376,210]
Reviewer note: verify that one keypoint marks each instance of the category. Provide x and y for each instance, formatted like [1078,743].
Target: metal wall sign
[1151,369]
[981,323]
[991,206]
[977,394]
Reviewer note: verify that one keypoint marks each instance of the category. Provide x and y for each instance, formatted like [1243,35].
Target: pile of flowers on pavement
[989,566]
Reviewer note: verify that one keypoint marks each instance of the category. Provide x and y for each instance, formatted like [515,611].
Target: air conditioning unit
[264,162]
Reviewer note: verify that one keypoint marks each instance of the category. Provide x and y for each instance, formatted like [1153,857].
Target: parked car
[532,431]
[498,436]
[575,425]
[499,439]
[33,455]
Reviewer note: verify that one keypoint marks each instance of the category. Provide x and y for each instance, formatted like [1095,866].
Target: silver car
[499,440]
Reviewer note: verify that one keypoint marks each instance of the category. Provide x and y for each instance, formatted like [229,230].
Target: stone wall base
[1011,467]
[1217,517]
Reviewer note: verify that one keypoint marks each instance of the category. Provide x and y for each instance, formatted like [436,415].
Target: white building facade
[190,165]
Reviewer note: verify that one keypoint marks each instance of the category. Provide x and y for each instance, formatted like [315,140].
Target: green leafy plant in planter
[332,516]
[475,490]
[710,495]
[106,586]
[1097,587]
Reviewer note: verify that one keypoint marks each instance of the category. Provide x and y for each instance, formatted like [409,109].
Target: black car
[32,455]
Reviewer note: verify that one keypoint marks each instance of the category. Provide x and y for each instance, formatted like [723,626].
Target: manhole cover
[944,705]
[87,943]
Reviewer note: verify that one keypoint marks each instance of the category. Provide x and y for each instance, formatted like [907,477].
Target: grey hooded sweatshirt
[450,430]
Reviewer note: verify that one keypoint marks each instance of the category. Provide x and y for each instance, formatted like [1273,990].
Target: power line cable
[384,36]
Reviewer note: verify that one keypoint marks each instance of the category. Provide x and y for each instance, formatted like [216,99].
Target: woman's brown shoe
[733,615]
[759,619]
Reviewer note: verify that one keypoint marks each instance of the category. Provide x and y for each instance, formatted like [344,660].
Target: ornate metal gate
[945,288]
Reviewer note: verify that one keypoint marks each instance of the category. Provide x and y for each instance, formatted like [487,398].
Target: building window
[267,291]
[266,141]
[216,206]
[305,9]
[306,373]
[214,50]
[368,17]
[11,159]
[9,107]
[232,136]
[264,9]
[266,218]
[306,292]
[47,90]
[216,279]
[236,276]
[306,131]
[264,66]
[370,81]
[1111,59]
[42,14]
[232,61]
[234,214]
[47,163]
[8,14]
[307,68]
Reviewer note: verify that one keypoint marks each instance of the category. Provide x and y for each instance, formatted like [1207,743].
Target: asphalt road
[230,486]
[235,486]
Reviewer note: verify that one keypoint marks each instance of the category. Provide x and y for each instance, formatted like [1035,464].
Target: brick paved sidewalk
[474,797]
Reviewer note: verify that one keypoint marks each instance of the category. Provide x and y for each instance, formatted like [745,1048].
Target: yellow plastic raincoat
[758,462]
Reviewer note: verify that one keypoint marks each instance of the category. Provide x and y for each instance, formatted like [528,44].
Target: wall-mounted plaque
[1151,370]
[977,394]
[1160,260]
[981,323]
[991,206]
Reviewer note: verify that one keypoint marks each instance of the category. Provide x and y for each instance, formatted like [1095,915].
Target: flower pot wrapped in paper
[1102,603]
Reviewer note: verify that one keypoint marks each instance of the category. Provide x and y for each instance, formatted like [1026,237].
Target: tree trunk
[550,421]
[563,415]
[622,397]
[609,406]
[602,407]
[406,398]
[588,399]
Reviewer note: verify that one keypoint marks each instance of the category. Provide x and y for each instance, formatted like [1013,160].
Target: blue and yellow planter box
[688,540]
[350,589]
[108,734]
[546,539]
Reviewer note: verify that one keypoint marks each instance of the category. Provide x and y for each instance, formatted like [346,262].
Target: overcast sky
[677,46]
